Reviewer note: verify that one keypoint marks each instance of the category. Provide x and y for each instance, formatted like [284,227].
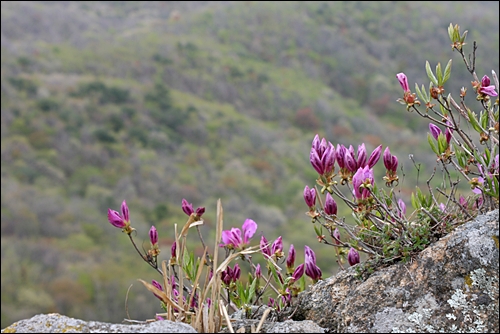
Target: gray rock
[56,323]
[451,286]
[288,326]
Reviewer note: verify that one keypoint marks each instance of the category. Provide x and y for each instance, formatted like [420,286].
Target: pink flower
[486,88]
[403,81]
[232,238]
[119,221]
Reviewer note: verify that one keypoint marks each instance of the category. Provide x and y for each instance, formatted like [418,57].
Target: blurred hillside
[153,102]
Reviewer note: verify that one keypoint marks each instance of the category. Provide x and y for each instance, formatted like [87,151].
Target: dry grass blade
[261,322]
[216,278]
[159,293]
[228,320]
[196,320]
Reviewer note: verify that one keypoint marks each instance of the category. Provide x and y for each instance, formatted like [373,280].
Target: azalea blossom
[233,239]
[486,88]
[121,221]
[311,269]
[353,257]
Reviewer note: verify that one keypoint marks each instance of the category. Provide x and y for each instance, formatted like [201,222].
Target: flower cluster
[383,229]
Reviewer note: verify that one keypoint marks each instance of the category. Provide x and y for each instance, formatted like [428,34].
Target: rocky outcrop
[451,286]
[56,323]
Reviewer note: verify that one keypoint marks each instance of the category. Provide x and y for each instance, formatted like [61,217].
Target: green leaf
[473,121]
[318,230]
[464,36]
[450,32]
[447,71]
[488,156]
[251,293]
[430,139]
[415,202]
[484,119]
[431,76]
[439,74]
[442,143]
[419,93]
[443,110]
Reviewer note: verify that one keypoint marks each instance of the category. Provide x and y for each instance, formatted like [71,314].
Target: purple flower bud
[271,302]
[394,163]
[387,158]
[153,235]
[390,161]
[402,208]
[330,205]
[311,269]
[158,286]
[124,209]
[264,246]
[328,159]
[115,219]
[194,301]
[350,163]
[187,207]
[442,207]
[277,246]
[361,156]
[403,81]
[316,143]
[315,160]
[125,214]
[374,157]
[227,275]
[299,271]
[435,130]
[290,260]
[353,257]
[310,196]
[336,235]
[258,271]
[200,211]
[236,273]
[210,274]
[462,201]
[485,81]
[173,250]
[362,176]
[341,155]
